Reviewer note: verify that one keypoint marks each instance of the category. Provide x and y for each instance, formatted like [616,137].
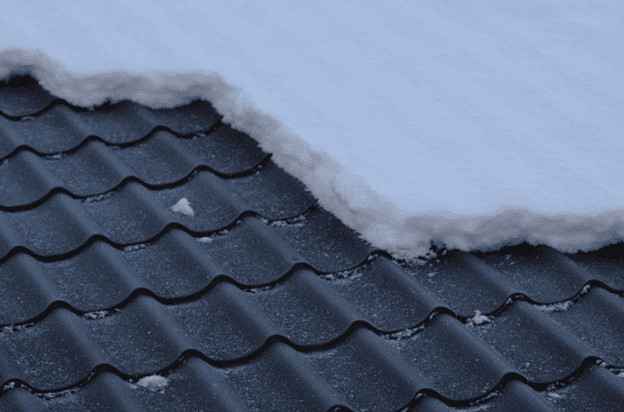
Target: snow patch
[132,248]
[96,198]
[53,395]
[404,334]
[478,319]
[556,307]
[16,328]
[183,206]
[99,314]
[154,383]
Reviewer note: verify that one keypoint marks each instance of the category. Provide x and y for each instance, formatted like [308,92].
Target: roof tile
[159,260]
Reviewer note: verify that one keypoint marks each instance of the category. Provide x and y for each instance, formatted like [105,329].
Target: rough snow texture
[471,124]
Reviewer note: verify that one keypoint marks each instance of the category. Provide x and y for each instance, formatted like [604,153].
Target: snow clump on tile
[478,318]
[183,206]
[153,383]
[474,138]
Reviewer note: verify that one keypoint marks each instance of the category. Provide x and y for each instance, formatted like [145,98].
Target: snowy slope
[473,124]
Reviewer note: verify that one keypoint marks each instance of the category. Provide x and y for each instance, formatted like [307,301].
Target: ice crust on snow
[469,125]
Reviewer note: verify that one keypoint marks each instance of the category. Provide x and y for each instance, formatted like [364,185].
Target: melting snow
[183,206]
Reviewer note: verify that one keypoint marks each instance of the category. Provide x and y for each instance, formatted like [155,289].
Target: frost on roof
[413,122]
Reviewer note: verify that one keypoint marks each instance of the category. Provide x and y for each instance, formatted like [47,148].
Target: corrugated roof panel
[23,96]
[158,260]
[160,161]
[62,128]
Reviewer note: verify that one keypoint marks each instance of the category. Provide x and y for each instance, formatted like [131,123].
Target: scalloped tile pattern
[158,260]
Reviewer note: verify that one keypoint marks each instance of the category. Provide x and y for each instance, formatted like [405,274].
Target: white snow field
[472,124]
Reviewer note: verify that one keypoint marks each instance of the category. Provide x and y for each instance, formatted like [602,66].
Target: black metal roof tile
[605,265]
[539,272]
[597,320]
[194,386]
[22,96]
[469,282]
[95,168]
[542,350]
[385,296]
[260,299]
[177,265]
[512,396]
[62,128]
[135,214]
[595,389]
[465,283]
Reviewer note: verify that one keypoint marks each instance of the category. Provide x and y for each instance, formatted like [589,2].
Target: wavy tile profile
[159,260]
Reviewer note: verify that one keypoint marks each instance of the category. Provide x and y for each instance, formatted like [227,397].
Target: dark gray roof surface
[262,300]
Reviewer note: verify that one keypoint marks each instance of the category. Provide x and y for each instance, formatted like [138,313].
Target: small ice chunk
[183,206]
[621,374]
[554,395]
[132,248]
[478,318]
[205,239]
[152,382]
[555,307]
[100,314]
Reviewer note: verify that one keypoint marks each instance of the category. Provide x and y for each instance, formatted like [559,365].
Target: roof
[159,260]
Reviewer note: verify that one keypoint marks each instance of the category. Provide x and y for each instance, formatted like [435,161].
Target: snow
[183,206]
[153,382]
[470,124]
[478,319]
[556,307]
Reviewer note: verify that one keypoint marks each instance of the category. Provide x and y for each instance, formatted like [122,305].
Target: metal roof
[159,260]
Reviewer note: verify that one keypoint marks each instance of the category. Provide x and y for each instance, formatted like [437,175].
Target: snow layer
[470,124]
